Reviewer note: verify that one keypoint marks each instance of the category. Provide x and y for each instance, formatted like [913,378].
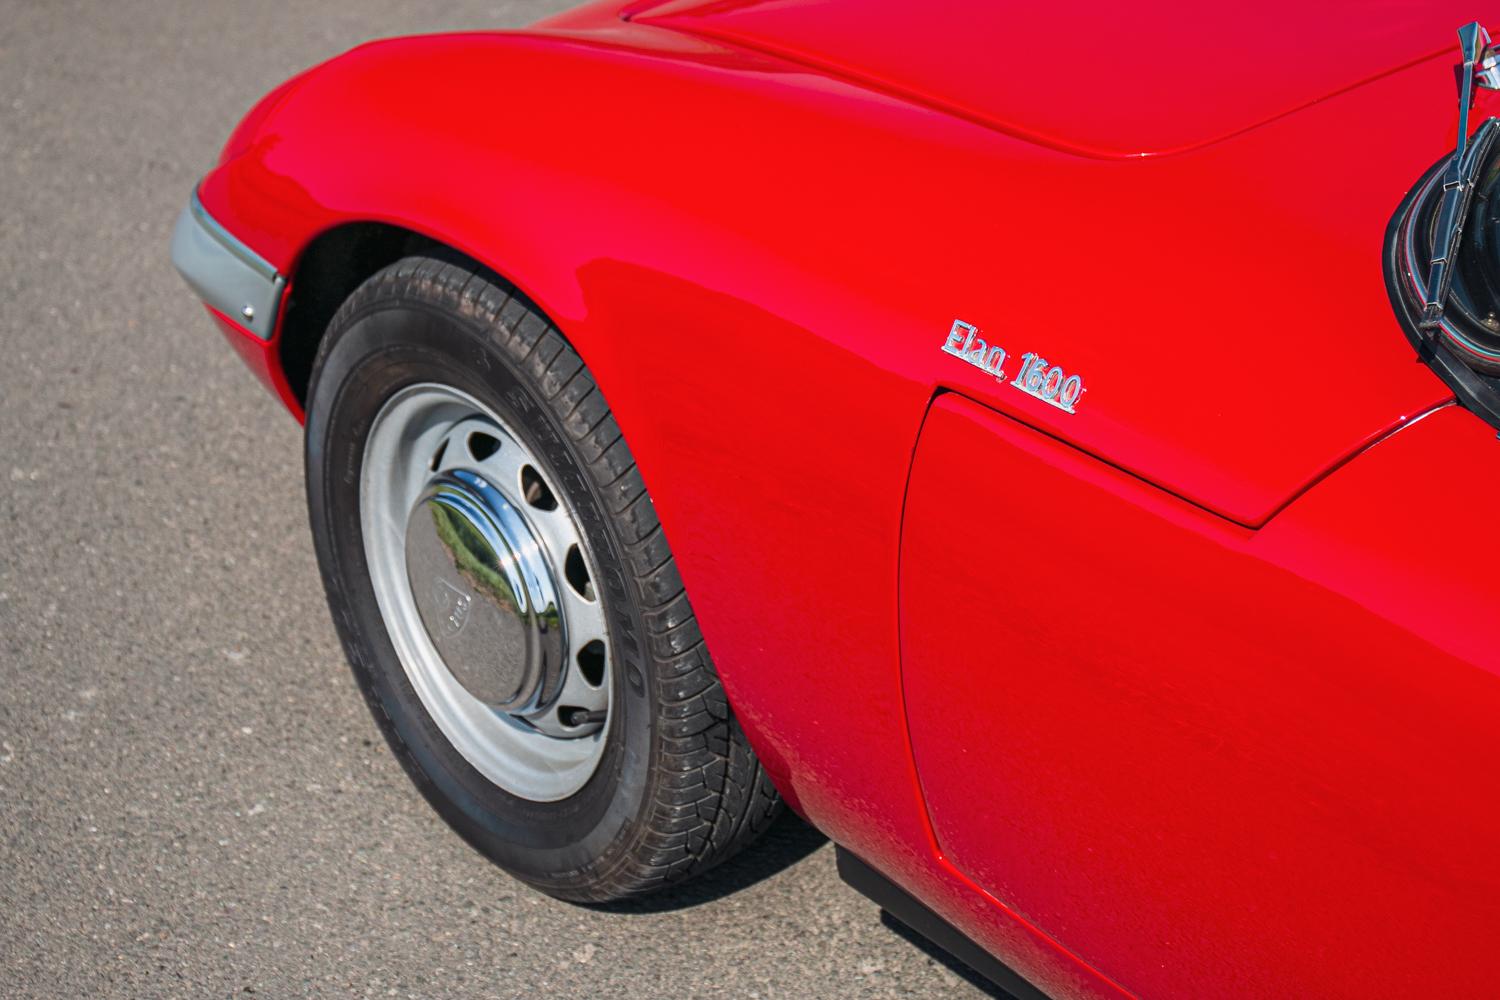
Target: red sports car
[1045,445]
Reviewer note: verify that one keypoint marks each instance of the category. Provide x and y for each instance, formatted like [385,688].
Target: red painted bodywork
[1259,764]
[1180,695]
[1106,80]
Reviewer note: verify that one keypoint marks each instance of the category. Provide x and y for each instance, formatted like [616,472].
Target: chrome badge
[1051,384]
[1037,378]
[965,344]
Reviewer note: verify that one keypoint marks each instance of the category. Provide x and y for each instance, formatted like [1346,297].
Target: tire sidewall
[370,353]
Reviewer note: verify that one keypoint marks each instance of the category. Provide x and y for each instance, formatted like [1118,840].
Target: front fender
[550,159]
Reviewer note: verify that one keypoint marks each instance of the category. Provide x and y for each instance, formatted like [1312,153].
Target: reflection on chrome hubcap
[486,588]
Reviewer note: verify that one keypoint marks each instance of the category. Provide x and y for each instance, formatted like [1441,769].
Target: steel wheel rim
[512,533]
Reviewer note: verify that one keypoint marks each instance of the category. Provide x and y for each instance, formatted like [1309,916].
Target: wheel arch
[333,265]
[325,181]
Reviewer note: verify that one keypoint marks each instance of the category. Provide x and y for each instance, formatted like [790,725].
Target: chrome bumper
[225,273]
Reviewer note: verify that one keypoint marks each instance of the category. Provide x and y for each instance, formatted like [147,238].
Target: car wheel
[506,597]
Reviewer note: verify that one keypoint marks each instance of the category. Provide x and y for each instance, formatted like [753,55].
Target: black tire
[678,788]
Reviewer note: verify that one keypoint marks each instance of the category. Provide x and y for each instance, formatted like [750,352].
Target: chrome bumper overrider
[225,273]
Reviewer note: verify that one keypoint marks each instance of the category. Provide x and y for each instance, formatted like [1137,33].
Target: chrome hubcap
[486,589]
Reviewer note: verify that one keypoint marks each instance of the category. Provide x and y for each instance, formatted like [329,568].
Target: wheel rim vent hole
[591,662]
[536,491]
[577,573]
[482,445]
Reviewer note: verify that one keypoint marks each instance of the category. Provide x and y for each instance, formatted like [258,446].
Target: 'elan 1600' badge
[1037,378]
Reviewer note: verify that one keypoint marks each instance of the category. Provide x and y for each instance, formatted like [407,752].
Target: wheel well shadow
[328,271]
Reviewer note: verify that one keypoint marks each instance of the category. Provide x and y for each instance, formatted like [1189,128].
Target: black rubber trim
[1476,392]
[908,910]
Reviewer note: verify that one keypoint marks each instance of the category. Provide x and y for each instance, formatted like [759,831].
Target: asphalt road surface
[193,801]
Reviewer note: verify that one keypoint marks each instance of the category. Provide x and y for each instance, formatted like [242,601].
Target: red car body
[1188,693]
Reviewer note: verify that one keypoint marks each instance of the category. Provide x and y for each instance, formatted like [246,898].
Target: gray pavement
[193,801]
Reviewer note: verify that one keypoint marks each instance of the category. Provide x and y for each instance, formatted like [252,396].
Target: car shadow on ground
[788,841]
[942,958]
